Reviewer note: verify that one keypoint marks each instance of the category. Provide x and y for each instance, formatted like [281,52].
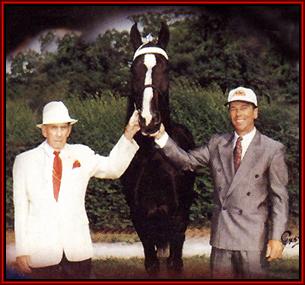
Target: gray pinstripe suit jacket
[241,200]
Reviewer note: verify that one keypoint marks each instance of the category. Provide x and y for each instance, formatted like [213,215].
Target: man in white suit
[51,225]
[250,177]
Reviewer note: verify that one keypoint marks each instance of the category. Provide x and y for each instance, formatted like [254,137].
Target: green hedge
[101,123]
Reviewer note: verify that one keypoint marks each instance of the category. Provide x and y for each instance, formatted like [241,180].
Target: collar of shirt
[50,151]
[247,139]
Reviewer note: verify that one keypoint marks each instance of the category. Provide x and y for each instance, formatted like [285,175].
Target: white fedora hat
[55,112]
[242,94]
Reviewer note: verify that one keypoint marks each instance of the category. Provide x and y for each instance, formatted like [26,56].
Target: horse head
[150,80]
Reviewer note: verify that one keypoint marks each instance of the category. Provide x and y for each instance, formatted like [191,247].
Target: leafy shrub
[101,123]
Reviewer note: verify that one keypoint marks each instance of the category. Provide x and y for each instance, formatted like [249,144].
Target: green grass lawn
[196,267]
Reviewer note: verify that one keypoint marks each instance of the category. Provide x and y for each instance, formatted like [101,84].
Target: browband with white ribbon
[146,50]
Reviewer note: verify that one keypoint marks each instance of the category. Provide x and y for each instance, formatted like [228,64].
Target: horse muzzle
[152,126]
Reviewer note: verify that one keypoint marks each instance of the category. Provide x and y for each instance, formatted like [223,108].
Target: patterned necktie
[237,153]
[57,172]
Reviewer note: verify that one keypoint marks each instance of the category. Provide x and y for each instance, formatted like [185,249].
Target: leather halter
[145,50]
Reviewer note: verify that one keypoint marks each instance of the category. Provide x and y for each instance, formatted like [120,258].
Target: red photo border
[138,2]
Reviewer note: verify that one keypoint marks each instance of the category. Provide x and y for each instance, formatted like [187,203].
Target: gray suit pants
[235,264]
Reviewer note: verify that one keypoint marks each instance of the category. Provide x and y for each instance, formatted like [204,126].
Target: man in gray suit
[250,197]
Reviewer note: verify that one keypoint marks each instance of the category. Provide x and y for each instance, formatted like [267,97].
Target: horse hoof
[152,268]
[175,266]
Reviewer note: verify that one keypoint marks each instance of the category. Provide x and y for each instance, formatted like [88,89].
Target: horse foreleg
[175,262]
[151,261]
[152,264]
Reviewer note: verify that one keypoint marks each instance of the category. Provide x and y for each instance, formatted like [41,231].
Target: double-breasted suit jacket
[45,228]
[244,201]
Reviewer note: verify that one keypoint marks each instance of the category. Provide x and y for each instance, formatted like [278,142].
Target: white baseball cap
[55,112]
[242,94]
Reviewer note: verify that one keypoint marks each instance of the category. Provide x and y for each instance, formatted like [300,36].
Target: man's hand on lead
[274,250]
[160,133]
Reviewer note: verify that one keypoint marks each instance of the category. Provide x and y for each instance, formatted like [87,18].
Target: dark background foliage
[210,51]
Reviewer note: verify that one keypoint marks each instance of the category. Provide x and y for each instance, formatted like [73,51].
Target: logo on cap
[242,94]
[239,93]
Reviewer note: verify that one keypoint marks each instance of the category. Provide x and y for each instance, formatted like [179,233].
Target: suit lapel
[247,162]
[68,157]
[44,163]
[226,156]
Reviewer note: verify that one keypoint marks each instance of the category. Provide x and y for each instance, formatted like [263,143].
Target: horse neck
[165,113]
[166,121]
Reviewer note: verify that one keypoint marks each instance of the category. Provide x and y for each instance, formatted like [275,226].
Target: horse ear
[135,37]
[163,37]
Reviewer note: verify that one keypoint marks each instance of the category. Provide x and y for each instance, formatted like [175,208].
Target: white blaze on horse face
[149,62]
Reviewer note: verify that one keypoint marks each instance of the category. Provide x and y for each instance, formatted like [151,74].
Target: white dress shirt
[247,139]
[161,142]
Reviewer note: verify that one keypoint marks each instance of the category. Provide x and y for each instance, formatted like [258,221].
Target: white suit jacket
[45,228]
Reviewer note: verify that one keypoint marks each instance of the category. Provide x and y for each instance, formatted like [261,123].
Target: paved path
[192,246]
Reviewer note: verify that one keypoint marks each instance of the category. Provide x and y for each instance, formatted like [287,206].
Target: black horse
[158,194]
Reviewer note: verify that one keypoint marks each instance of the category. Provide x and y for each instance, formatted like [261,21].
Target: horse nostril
[141,119]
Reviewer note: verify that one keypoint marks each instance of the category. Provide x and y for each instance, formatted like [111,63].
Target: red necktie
[237,153]
[57,172]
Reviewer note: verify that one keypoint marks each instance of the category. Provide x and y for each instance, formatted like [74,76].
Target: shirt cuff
[131,143]
[161,142]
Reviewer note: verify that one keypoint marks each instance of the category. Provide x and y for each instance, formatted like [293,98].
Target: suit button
[219,189]
[240,212]
[224,208]
[248,193]
[256,176]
